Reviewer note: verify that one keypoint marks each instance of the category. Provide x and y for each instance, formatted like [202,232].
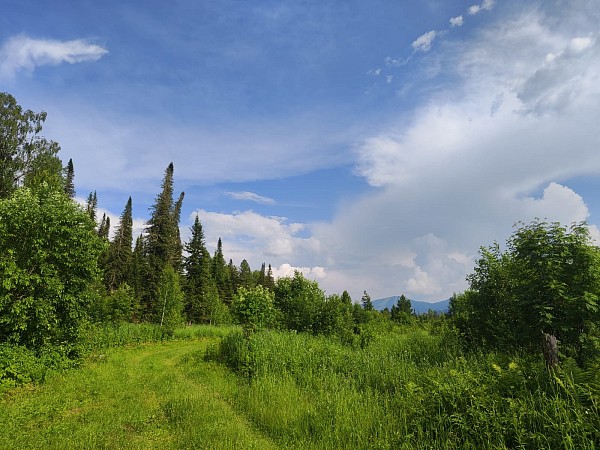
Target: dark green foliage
[177,245]
[402,310]
[70,179]
[346,299]
[260,276]
[245,276]
[48,259]
[270,279]
[23,153]
[118,260]
[222,275]
[91,206]
[234,276]
[163,243]
[202,303]
[104,227]
[546,283]
[119,305]
[366,302]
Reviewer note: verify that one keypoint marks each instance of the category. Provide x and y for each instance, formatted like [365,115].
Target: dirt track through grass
[150,396]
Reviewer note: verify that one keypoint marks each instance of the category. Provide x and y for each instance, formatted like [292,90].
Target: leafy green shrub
[253,308]
[48,259]
[19,365]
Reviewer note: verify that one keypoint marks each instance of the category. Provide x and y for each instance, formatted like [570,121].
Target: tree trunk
[550,349]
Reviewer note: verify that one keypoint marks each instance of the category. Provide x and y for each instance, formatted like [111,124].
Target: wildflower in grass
[513,365]
[497,368]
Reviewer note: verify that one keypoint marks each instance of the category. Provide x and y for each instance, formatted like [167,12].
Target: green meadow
[216,388]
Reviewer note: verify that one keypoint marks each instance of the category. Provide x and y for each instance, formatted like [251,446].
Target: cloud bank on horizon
[487,120]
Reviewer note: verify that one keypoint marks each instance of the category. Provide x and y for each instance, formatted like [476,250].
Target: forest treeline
[60,270]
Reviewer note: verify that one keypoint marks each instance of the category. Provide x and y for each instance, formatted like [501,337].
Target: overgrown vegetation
[514,364]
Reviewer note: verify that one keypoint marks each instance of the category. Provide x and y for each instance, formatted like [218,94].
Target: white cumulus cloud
[258,238]
[467,164]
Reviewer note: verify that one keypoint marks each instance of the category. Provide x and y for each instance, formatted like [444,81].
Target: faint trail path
[150,396]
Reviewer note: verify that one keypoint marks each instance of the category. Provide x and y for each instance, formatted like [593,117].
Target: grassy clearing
[161,395]
[407,390]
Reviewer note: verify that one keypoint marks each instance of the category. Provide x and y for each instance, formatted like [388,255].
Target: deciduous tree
[48,259]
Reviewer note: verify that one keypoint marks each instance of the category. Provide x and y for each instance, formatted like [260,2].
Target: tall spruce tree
[234,276]
[70,179]
[104,227]
[92,205]
[270,280]
[221,275]
[366,302]
[163,246]
[199,284]
[177,243]
[260,276]
[245,276]
[117,268]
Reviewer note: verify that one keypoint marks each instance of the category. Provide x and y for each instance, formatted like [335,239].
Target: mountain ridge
[419,307]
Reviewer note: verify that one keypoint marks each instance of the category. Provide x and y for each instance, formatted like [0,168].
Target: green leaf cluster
[48,259]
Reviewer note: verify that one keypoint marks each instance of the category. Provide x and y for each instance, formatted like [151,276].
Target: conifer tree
[245,277]
[199,286]
[234,276]
[162,229]
[104,227]
[177,243]
[69,179]
[270,280]
[163,246]
[221,275]
[118,262]
[366,302]
[92,205]
[346,299]
[260,276]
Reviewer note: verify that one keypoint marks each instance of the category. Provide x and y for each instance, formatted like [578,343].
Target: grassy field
[160,395]
[215,389]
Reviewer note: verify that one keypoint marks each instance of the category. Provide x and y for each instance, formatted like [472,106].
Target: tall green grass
[20,365]
[161,396]
[409,389]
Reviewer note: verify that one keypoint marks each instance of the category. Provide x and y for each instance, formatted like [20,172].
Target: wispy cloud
[251,197]
[423,43]
[24,53]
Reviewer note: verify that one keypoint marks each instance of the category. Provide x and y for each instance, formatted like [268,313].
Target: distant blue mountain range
[417,306]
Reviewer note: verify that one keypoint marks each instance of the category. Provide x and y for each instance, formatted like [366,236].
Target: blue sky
[373,145]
